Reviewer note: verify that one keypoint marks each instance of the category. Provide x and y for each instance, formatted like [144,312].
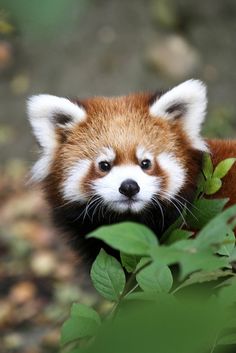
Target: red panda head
[125,153]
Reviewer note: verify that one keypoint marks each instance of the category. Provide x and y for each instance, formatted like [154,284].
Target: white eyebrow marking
[108,154]
[142,153]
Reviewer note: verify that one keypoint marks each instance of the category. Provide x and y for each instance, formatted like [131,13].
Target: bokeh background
[82,48]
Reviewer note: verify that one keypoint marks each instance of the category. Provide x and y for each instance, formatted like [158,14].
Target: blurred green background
[82,48]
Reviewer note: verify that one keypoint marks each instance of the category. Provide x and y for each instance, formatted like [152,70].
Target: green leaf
[232,256]
[83,322]
[231,323]
[212,186]
[217,229]
[178,234]
[189,257]
[130,238]
[198,254]
[228,340]
[207,166]
[177,224]
[146,296]
[155,278]
[223,167]
[227,248]
[203,211]
[75,350]
[108,276]
[226,294]
[200,184]
[204,276]
[129,262]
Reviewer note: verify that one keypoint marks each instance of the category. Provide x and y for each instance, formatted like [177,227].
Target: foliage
[176,295]
[42,19]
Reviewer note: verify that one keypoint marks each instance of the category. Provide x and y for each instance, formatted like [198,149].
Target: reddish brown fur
[220,150]
[123,123]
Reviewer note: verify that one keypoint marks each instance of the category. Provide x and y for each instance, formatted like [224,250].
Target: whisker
[92,203]
[190,203]
[148,215]
[181,204]
[162,213]
[72,201]
[101,209]
[99,203]
[63,205]
[85,211]
[187,208]
[177,208]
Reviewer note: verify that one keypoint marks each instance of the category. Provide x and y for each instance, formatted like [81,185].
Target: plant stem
[214,344]
[130,286]
[131,290]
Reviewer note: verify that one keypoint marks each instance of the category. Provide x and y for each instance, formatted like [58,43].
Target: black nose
[129,188]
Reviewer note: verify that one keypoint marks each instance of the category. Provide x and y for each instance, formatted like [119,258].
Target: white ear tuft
[46,113]
[188,102]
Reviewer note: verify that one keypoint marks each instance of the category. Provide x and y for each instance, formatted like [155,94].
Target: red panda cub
[137,158]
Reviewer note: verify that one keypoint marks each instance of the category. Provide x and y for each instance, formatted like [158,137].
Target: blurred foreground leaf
[83,322]
[128,237]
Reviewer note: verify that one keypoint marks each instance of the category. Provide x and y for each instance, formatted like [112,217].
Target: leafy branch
[180,286]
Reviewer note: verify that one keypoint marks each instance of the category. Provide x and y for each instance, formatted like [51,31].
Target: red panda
[137,157]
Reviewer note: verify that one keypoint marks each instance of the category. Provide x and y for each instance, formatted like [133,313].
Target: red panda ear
[46,113]
[188,102]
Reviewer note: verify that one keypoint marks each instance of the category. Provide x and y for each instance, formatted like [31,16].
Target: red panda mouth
[128,201]
[133,205]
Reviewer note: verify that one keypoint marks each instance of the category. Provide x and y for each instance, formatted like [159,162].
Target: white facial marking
[108,188]
[176,173]
[71,189]
[142,154]
[42,111]
[189,99]
[108,155]
[41,168]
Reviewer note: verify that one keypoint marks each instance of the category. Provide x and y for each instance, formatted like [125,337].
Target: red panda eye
[104,166]
[146,164]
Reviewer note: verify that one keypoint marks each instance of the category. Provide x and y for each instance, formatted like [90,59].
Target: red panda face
[127,153]
[122,168]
